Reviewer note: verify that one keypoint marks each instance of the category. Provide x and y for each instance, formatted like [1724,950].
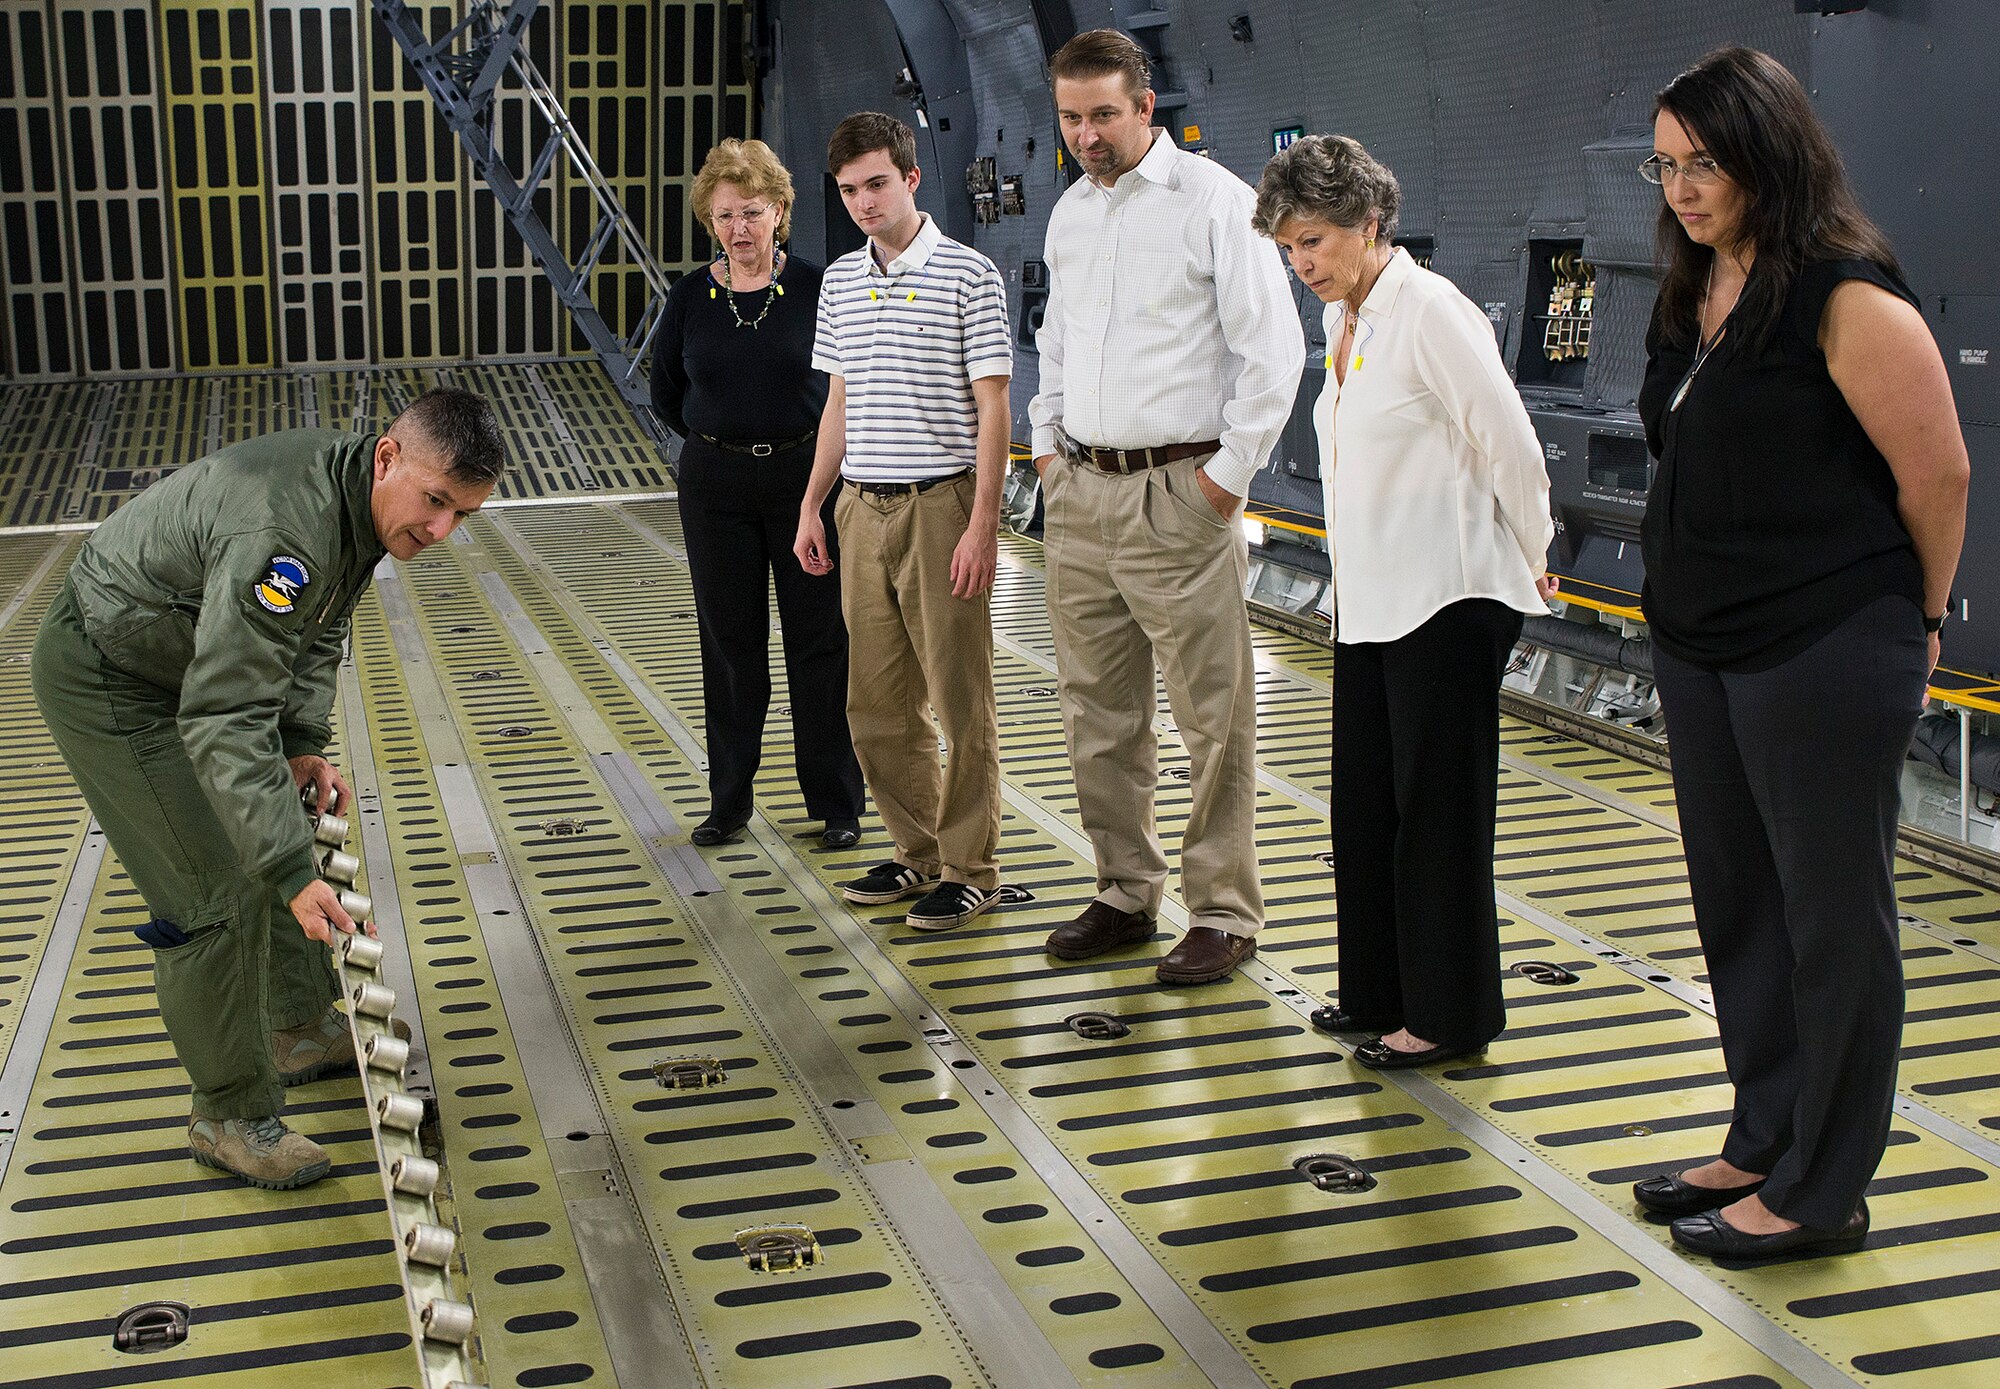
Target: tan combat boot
[263,1152]
[322,1047]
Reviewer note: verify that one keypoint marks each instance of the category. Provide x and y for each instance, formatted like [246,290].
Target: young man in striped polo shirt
[913,338]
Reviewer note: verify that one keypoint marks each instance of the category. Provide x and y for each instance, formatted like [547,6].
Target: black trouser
[1416,770]
[1786,781]
[740,515]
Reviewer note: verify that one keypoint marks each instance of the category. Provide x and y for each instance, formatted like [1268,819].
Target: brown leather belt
[1110,460]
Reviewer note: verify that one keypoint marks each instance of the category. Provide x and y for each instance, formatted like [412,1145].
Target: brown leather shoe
[1205,954]
[1101,927]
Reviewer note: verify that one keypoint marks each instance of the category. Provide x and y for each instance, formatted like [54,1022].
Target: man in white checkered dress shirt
[1171,351]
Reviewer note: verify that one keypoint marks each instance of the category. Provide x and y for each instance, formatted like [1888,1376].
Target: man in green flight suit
[187,672]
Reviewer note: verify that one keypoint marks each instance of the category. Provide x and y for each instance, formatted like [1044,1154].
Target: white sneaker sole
[876,899]
[946,923]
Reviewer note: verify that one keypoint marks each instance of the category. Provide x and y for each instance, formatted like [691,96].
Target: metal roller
[450,1322]
[330,830]
[359,951]
[461,1384]
[413,1175]
[358,905]
[339,868]
[429,1244]
[387,1053]
[404,1113]
[373,1000]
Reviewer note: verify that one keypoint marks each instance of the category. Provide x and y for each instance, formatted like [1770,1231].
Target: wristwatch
[1935,625]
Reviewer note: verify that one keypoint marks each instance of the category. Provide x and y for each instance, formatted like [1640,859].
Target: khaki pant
[247,969]
[1143,570]
[913,649]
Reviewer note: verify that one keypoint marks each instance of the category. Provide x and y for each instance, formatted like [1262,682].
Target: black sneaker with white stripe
[951,904]
[886,882]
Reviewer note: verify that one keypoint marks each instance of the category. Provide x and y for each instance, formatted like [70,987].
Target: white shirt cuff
[1230,473]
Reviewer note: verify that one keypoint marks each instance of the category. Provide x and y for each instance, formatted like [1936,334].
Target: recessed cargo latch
[1096,1027]
[778,1248]
[151,1326]
[1332,1172]
[689,1072]
[1543,972]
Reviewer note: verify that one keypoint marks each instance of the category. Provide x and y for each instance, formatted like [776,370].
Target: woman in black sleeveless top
[732,375]
[1800,538]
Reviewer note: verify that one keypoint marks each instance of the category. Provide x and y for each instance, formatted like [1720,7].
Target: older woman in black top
[1800,540]
[732,375]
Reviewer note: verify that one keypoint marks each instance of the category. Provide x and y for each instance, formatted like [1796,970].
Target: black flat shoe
[840,834]
[1378,1055]
[1332,1018]
[1669,1195]
[1710,1234]
[710,833]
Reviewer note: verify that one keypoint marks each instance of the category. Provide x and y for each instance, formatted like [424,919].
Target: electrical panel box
[1561,298]
[982,181]
[1599,472]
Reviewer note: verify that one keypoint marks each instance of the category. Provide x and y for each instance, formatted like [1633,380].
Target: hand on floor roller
[327,1045]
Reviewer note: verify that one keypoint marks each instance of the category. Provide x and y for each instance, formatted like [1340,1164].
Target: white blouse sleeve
[1461,365]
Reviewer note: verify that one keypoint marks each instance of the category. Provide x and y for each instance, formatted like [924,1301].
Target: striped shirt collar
[914,255]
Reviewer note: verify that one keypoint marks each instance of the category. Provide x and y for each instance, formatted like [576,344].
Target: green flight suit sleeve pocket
[257,600]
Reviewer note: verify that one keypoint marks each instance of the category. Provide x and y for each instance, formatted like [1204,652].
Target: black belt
[756,449]
[897,489]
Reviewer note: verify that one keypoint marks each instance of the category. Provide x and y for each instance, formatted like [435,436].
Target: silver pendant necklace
[1702,352]
[771,295]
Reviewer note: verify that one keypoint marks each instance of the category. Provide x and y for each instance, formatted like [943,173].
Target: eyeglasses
[1700,169]
[747,216]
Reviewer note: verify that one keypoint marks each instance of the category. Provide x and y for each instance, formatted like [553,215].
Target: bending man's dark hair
[1751,116]
[462,427]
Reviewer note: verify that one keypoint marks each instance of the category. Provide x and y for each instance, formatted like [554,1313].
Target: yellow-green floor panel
[101,1198]
[1202,1095]
[1457,1264]
[45,818]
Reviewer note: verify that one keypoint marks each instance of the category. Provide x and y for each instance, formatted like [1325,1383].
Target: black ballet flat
[1333,1018]
[1708,1233]
[710,833]
[840,834]
[1667,1194]
[1378,1055]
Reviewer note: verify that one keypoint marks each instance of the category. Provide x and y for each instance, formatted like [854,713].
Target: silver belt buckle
[760,450]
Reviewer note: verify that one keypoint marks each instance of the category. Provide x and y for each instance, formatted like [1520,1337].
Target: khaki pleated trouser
[1145,577]
[913,650]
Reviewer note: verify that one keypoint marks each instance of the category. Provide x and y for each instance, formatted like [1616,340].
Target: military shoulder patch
[285,579]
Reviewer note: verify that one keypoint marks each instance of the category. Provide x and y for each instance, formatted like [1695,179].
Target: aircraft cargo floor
[999,1196]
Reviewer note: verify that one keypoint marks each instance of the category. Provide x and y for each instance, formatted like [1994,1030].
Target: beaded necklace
[777,268]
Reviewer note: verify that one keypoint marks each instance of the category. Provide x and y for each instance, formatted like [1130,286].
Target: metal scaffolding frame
[463,70]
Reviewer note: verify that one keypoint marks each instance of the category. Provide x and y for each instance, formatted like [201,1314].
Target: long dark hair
[1754,119]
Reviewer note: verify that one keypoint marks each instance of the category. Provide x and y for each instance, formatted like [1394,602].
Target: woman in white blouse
[1437,511]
